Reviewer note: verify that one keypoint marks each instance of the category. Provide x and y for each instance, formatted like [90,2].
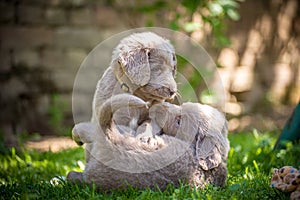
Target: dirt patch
[51,143]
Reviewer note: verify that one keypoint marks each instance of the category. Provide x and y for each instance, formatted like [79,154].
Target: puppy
[105,123]
[143,64]
[201,125]
[195,154]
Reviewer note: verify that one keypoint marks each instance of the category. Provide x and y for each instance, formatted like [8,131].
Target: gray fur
[143,64]
[196,154]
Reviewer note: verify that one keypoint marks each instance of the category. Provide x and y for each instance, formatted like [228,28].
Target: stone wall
[42,45]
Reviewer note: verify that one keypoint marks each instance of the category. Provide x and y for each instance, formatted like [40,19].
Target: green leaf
[233,14]
[215,9]
[228,3]
[191,26]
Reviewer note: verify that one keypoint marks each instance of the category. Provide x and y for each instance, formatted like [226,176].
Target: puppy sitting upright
[143,64]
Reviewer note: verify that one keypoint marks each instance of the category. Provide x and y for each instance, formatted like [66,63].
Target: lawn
[27,174]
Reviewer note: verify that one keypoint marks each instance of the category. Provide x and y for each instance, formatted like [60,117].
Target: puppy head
[167,116]
[199,124]
[211,143]
[175,120]
[145,65]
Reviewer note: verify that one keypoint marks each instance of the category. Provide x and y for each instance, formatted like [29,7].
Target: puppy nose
[172,92]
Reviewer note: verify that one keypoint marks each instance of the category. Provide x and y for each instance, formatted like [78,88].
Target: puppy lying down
[192,148]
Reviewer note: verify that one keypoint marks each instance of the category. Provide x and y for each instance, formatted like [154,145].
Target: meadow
[27,174]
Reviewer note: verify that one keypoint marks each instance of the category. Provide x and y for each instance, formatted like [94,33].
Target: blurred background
[255,44]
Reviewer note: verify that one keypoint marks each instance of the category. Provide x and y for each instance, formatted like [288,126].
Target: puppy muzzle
[152,92]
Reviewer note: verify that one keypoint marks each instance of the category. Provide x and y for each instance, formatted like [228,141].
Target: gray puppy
[143,64]
[195,154]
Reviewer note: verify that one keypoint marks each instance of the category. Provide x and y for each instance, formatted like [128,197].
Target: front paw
[149,140]
[152,142]
[79,143]
[85,132]
[76,138]
[75,177]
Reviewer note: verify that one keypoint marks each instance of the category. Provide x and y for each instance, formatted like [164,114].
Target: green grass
[27,174]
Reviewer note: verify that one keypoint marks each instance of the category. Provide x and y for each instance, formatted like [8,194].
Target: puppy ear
[136,66]
[207,152]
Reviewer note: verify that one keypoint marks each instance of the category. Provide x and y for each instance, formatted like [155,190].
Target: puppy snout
[167,92]
[171,92]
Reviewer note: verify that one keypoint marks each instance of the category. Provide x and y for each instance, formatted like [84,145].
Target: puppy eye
[148,54]
[178,121]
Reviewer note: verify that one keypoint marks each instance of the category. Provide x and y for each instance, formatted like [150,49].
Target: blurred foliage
[213,14]
[56,112]
[193,79]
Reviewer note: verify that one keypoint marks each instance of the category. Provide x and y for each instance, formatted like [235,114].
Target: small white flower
[57,180]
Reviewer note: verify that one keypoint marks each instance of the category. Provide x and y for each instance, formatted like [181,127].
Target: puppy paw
[148,140]
[75,177]
[85,132]
[152,142]
[79,143]
[77,139]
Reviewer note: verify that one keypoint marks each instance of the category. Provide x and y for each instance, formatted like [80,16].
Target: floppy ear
[135,65]
[207,151]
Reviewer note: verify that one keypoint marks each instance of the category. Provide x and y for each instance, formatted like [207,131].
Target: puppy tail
[114,103]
